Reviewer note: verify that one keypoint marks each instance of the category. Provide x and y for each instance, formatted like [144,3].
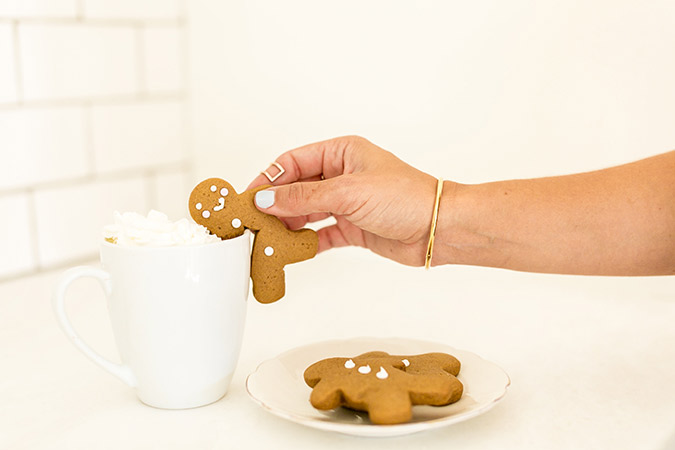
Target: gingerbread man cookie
[384,385]
[217,206]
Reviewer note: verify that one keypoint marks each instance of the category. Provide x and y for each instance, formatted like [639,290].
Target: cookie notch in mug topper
[216,205]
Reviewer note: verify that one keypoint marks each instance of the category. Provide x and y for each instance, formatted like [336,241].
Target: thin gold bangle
[434,220]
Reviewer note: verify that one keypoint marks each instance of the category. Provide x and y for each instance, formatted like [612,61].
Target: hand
[378,201]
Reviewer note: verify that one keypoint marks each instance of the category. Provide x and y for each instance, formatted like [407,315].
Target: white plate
[279,387]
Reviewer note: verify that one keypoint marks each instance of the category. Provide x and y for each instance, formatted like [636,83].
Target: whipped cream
[156,230]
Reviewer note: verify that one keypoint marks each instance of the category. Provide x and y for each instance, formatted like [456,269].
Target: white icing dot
[224,192]
[214,188]
[382,374]
[198,206]
[349,364]
[206,214]
[269,251]
[405,362]
[236,223]
[364,369]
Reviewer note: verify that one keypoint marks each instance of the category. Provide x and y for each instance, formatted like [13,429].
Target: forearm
[617,221]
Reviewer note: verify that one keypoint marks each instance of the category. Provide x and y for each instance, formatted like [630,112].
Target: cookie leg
[386,408]
[267,270]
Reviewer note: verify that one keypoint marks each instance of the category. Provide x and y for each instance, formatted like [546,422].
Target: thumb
[300,199]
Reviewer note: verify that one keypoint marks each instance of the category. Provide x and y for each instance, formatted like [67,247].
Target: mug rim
[141,248]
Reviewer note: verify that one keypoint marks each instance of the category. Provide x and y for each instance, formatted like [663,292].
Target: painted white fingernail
[264,199]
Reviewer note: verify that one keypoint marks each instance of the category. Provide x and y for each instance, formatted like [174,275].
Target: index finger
[325,158]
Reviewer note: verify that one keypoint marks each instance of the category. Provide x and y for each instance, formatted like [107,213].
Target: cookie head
[214,204]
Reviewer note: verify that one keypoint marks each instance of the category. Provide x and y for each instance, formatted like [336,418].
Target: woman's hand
[379,202]
[615,221]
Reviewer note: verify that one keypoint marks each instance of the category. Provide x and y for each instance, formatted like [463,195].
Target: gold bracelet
[434,220]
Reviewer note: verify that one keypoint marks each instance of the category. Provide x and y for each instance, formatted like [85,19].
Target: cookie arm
[324,396]
[436,390]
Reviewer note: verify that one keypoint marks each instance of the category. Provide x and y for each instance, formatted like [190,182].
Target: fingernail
[264,199]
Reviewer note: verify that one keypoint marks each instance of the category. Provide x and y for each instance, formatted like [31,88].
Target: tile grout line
[79,14]
[98,177]
[93,21]
[18,72]
[89,137]
[103,100]
[33,229]
[141,69]
[188,119]
[151,194]
[19,275]
[63,264]
[187,101]
[182,10]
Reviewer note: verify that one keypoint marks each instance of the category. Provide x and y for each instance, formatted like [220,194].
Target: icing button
[269,251]
[364,369]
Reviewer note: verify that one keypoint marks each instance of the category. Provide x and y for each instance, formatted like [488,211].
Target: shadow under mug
[177,314]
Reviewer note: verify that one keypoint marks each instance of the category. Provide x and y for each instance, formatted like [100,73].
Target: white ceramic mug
[177,314]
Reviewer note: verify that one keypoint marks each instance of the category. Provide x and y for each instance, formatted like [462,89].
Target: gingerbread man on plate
[217,206]
[384,385]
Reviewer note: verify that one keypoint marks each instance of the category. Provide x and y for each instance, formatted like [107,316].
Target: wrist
[470,226]
[434,221]
[454,240]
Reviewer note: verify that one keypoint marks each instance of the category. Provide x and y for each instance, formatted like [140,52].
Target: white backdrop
[470,91]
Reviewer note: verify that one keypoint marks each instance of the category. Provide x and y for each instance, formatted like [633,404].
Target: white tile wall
[137,135]
[133,9]
[171,192]
[92,120]
[66,61]
[15,240]
[164,50]
[38,8]
[42,145]
[7,67]
[70,219]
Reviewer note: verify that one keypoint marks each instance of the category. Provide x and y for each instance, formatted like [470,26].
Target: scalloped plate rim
[367,429]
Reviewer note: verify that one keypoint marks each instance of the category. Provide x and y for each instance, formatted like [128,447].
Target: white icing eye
[364,369]
[349,364]
[382,374]
[224,192]
[269,251]
[236,223]
[206,214]
[214,188]
[405,362]
[198,206]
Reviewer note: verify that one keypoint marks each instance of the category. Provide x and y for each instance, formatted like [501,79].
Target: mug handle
[122,372]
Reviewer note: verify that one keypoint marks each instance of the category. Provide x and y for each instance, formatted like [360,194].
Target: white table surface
[591,360]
